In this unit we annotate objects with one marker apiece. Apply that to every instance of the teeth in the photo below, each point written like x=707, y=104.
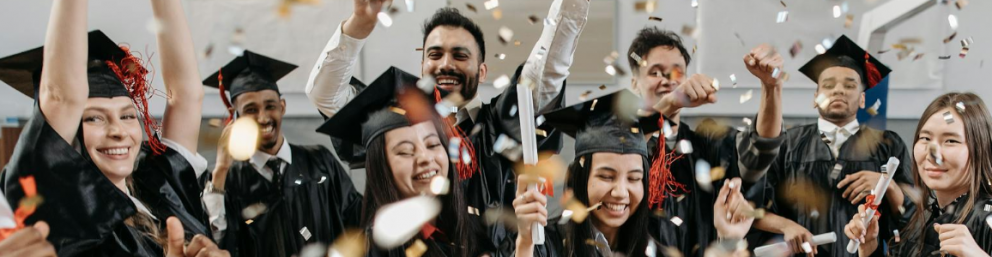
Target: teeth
x=615, y=207
x=115, y=151
x=446, y=81
x=267, y=129
x=427, y=175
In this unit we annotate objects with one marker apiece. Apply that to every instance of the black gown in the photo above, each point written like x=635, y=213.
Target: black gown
x=554, y=243
x=975, y=221
x=85, y=211
x=438, y=244
x=315, y=194
x=695, y=208
x=806, y=160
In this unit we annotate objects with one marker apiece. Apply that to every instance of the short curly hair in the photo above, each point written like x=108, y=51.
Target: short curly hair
x=649, y=38
x=449, y=16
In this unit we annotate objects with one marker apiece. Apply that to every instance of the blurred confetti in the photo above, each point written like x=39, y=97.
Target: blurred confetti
x=822, y=101
x=796, y=47
x=471, y=7
x=960, y=4
x=501, y=56
x=154, y=26
x=895, y=233
x=694, y=3
x=703, y=178
x=713, y=129
x=243, y=140
x=427, y=84
x=645, y=6
x=314, y=250
x=498, y=215
x=533, y=19
x=385, y=19
x=501, y=82
x=409, y=6
x=951, y=37
x=654, y=18
x=440, y=185
x=717, y=173
x=738, y=35
x=934, y=151
x=684, y=147
x=417, y=249
x=491, y=4
x=849, y=21
x=397, y=222
x=783, y=3
x=689, y=31
x=746, y=96
x=952, y=21
x=873, y=110
x=508, y=147
x=497, y=14
x=810, y=201
x=677, y=221
x=837, y=11
x=820, y=49
x=505, y=35
x=959, y=106
x=252, y=211
x=351, y=243
x=733, y=79
x=783, y=16
x=214, y=122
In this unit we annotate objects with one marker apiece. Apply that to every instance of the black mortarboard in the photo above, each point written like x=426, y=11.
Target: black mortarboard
x=22, y=71
x=846, y=53
x=250, y=72
x=609, y=123
x=376, y=109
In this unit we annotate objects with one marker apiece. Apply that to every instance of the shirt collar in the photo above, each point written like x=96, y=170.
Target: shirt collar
x=470, y=110
x=138, y=205
x=285, y=154
x=829, y=128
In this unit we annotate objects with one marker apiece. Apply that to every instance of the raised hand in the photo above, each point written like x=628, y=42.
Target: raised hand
x=28, y=242
x=362, y=21
x=200, y=246
x=762, y=62
x=956, y=240
x=731, y=212
x=530, y=207
x=867, y=236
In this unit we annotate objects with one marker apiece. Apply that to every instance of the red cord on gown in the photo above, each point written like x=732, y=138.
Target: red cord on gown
x=465, y=171
x=662, y=182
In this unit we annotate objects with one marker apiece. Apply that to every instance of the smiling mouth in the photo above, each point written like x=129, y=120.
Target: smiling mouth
x=120, y=151
x=425, y=176
x=615, y=208
x=267, y=129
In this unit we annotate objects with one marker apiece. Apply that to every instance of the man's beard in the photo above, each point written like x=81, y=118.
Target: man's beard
x=833, y=115
x=470, y=85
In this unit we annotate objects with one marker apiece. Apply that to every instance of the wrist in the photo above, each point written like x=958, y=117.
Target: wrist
x=524, y=241
x=359, y=27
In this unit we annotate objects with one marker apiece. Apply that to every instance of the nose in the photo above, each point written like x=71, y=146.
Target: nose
x=116, y=130
x=262, y=118
x=619, y=190
x=446, y=64
x=423, y=158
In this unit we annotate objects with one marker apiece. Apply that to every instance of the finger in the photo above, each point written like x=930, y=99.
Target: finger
x=23, y=237
x=175, y=236
x=688, y=91
x=847, y=179
x=750, y=60
x=198, y=243
x=747, y=59
x=698, y=86
x=721, y=197
x=36, y=249
x=42, y=227
x=522, y=182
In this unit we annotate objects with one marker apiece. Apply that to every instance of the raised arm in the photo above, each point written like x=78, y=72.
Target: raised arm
x=64, y=87
x=181, y=122
x=558, y=42
x=758, y=147
x=327, y=86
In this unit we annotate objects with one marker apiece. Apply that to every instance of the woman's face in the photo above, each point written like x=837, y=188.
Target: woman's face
x=615, y=180
x=112, y=135
x=415, y=156
x=952, y=174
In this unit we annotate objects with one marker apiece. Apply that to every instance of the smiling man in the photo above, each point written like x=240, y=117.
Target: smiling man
x=454, y=56
x=301, y=194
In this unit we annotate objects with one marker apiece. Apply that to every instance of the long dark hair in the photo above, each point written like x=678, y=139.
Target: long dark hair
x=630, y=238
x=380, y=189
x=978, y=135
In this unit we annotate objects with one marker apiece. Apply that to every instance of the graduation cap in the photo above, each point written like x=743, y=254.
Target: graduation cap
x=845, y=53
x=376, y=110
x=608, y=123
x=250, y=72
x=22, y=71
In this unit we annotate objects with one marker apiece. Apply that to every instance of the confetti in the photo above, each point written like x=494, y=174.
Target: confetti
x=822, y=101
x=417, y=249
x=944, y=57
x=895, y=232
x=409, y=5
x=502, y=81
x=739, y=38
x=498, y=14
x=960, y=4
x=654, y=18
x=385, y=19
x=491, y=4
x=820, y=49
x=716, y=84
x=592, y=107
x=717, y=173
x=305, y=233
x=313, y=250
x=807, y=248
x=934, y=151
x=645, y=6
x=703, y=178
x=253, y=210
x=397, y=222
x=677, y=221
x=513, y=110
x=236, y=50
x=471, y=7
x=208, y=51
x=783, y=3
x=440, y=185
x=507, y=147
x=667, y=130
x=783, y=16
x=445, y=108
x=243, y=140
x=694, y=3
x=837, y=11
x=873, y=110
x=585, y=95
x=505, y=35
x=918, y=56
x=689, y=31
x=746, y=96
x=953, y=21
x=849, y=21
x=466, y=157
x=827, y=42
x=951, y=37
x=684, y=147
x=733, y=79
x=635, y=57
x=796, y=47
x=533, y=19
x=602, y=87
x=959, y=106
x=154, y=26
x=215, y=122
x=426, y=84
x=948, y=117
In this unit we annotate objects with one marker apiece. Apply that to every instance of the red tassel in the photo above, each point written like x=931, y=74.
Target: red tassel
x=662, y=181
x=134, y=76
x=223, y=97
x=872, y=73
x=465, y=171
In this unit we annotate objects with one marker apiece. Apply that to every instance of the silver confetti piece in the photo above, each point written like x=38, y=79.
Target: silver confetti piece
x=948, y=117
x=746, y=96
x=783, y=16
x=960, y=107
x=677, y=221
x=685, y=147
x=835, y=173
x=305, y=233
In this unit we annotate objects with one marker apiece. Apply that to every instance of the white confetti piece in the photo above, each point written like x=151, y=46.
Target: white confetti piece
x=505, y=34
x=822, y=101
x=783, y=16
x=243, y=140
x=409, y=5
x=960, y=107
x=746, y=96
x=837, y=11
x=426, y=84
x=252, y=211
x=685, y=147
x=827, y=42
x=398, y=222
x=491, y=4
x=953, y=21
x=236, y=50
x=747, y=121
x=501, y=56
x=501, y=82
x=677, y=221
x=820, y=49
x=716, y=84
x=611, y=70
x=305, y=233
x=807, y=248
x=873, y=110
x=313, y=250
x=385, y=19
x=440, y=185
x=934, y=151
x=733, y=79
x=694, y=3
x=703, y=177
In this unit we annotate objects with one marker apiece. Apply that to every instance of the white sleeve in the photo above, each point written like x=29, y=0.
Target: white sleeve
x=194, y=159
x=328, y=85
x=551, y=57
x=214, y=203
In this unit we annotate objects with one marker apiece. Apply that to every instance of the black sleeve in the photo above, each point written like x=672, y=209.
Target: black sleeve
x=552, y=246
x=168, y=184
x=904, y=177
x=346, y=197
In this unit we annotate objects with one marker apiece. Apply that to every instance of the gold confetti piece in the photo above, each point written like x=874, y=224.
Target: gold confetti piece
x=249, y=222
x=516, y=43
x=440, y=185
x=533, y=19
x=677, y=221
x=783, y=16
x=746, y=96
x=592, y=107
x=579, y=211
x=252, y=211
x=471, y=7
x=873, y=110
x=397, y=222
x=243, y=140
x=934, y=151
x=214, y=122
x=397, y=110
x=491, y=4
x=688, y=30
x=951, y=37
x=351, y=243
x=385, y=19
x=501, y=82
x=918, y=56
x=654, y=18
x=418, y=49
x=694, y=48
x=645, y=6
x=822, y=101
x=602, y=87
x=952, y=21
x=541, y=132
x=717, y=173
x=497, y=14
x=417, y=249
x=473, y=211
x=960, y=4
x=849, y=21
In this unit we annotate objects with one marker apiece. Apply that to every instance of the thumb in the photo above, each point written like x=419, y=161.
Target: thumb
x=42, y=227
x=176, y=236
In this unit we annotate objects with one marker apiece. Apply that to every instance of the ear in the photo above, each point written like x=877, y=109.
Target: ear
x=483, y=70
x=861, y=102
x=633, y=86
x=815, y=94
x=282, y=101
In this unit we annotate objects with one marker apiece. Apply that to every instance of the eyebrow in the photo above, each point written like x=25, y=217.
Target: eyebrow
x=432, y=134
x=457, y=49
x=101, y=109
x=401, y=143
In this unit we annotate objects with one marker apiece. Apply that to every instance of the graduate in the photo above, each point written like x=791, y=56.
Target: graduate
x=835, y=162
x=660, y=79
x=106, y=191
x=307, y=195
x=406, y=144
x=953, y=167
x=454, y=58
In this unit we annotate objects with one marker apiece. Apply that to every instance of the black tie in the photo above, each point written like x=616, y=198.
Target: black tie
x=274, y=165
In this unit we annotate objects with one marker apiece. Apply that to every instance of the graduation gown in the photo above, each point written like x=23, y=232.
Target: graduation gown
x=314, y=202
x=554, y=243
x=806, y=163
x=438, y=243
x=695, y=207
x=974, y=220
x=85, y=211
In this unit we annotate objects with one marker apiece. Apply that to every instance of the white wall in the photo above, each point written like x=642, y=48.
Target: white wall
x=299, y=38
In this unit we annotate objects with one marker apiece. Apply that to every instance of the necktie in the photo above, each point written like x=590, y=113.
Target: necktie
x=274, y=165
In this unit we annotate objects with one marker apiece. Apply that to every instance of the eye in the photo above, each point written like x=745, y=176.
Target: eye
x=952, y=141
x=270, y=107
x=129, y=117
x=462, y=56
x=250, y=110
x=635, y=178
x=605, y=177
x=434, y=55
x=94, y=119
x=924, y=138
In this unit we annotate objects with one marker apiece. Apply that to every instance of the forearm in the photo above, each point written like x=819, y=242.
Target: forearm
x=64, y=86
x=773, y=223
x=328, y=85
x=769, y=123
x=525, y=248
x=181, y=121
x=549, y=61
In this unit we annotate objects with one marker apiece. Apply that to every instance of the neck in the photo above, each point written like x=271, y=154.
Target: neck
x=609, y=232
x=275, y=149
x=842, y=121
x=945, y=198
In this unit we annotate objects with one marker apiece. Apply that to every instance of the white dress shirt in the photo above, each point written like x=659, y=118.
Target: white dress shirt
x=837, y=135
x=328, y=85
x=214, y=201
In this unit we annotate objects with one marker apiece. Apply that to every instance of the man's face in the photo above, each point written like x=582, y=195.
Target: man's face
x=656, y=79
x=842, y=94
x=452, y=57
x=267, y=108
